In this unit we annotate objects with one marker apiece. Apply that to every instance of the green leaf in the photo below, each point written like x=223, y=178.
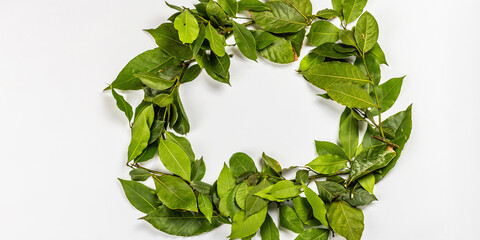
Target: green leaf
x=201, y=187
x=152, y=80
x=198, y=170
x=197, y=44
x=285, y=189
x=263, y=39
x=401, y=124
x=140, y=196
x=282, y=18
x=304, y=211
x=318, y=206
x=360, y=197
x=352, y=9
x=310, y=60
x=350, y=95
x=388, y=93
x=348, y=133
x=347, y=37
x=148, y=153
x=204, y=61
x=327, y=14
x=220, y=65
x=329, y=50
x=296, y=39
x=369, y=160
x=289, y=219
x=191, y=73
x=140, y=133
x=345, y=220
x=328, y=164
x=252, y=5
x=254, y=204
x=372, y=65
x=326, y=74
x=245, y=41
x=216, y=40
x=280, y=51
x=216, y=13
x=230, y=6
x=269, y=230
x=149, y=61
x=175, y=7
x=139, y=174
x=205, y=206
x=368, y=140
x=226, y=182
x=272, y=163
x=244, y=226
x=304, y=7
x=175, y=193
x=314, y=234
x=180, y=223
x=163, y=100
x=325, y=148
x=166, y=37
x=174, y=159
x=366, y=32
x=367, y=182
x=329, y=190
x=181, y=125
x=322, y=32
x=123, y=105
x=301, y=176
x=182, y=142
x=241, y=195
x=379, y=54
x=232, y=206
x=241, y=163
x=338, y=5
x=187, y=27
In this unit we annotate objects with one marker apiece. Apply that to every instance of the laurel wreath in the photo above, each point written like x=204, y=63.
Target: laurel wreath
x=345, y=63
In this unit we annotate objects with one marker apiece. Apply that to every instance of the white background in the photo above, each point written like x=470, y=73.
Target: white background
x=63, y=143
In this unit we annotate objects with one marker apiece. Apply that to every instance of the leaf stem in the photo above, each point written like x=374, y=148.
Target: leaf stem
x=150, y=170
x=386, y=141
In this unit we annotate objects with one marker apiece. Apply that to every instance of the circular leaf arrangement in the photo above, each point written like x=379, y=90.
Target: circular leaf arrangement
x=345, y=63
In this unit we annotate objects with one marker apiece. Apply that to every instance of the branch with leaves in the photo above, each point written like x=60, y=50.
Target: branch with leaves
x=345, y=63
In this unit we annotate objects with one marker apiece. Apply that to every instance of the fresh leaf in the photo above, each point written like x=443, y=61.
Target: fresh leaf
x=252, y=5
x=216, y=13
x=187, y=27
x=244, y=226
x=388, y=93
x=139, y=174
x=296, y=39
x=352, y=9
x=322, y=32
x=328, y=164
x=198, y=170
x=289, y=219
x=329, y=50
x=325, y=148
x=229, y=6
x=269, y=230
x=280, y=51
x=163, y=100
x=182, y=142
x=263, y=39
x=318, y=206
x=283, y=18
x=379, y=54
x=140, y=196
x=205, y=206
x=152, y=80
x=175, y=7
x=216, y=40
x=360, y=197
x=285, y=189
x=345, y=220
x=366, y=32
x=241, y=163
x=347, y=37
x=226, y=182
x=191, y=73
x=197, y=44
x=254, y=204
x=175, y=193
x=326, y=74
x=304, y=211
x=367, y=182
x=166, y=37
x=245, y=41
x=123, y=105
x=140, y=133
x=149, y=61
x=220, y=65
x=241, y=195
x=201, y=187
x=182, y=125
x=301, y=176
x=148, y=153
x=180, y=223
x=348, y=133
x=327, y=14
x=328, y=190
x=369, y=160
x=174, y=159
x=371, y=64
x=232, y=206
x=272, y=163
x=310, y=60
x=314, y=234
x=350, y=95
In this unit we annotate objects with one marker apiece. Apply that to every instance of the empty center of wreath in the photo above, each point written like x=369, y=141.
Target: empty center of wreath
x=268, y=108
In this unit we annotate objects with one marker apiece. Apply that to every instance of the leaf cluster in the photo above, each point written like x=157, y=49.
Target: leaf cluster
x=345, y=63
